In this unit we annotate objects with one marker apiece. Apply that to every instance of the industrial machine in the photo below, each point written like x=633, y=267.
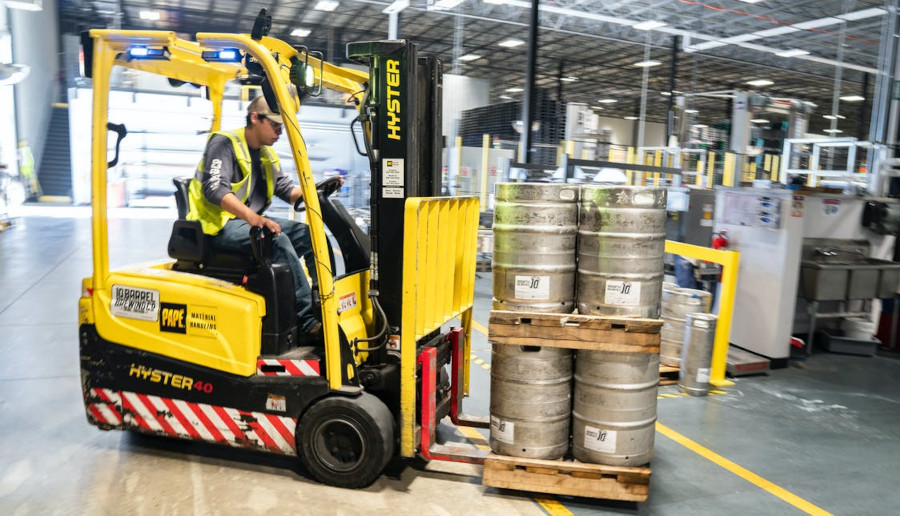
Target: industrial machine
x=805, y=256
x=204, y=347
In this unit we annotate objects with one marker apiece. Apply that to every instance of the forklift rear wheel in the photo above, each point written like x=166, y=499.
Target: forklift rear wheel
x=346, y=442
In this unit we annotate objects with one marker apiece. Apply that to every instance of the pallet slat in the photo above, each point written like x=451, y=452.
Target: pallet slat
x=567, y=478
x=574, y=331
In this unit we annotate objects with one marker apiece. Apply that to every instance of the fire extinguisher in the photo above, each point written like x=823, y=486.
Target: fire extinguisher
x=720, y=240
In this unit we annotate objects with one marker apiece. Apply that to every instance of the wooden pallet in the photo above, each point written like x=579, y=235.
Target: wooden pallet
x=668, y=375
x=567, y=477
x=574, y=331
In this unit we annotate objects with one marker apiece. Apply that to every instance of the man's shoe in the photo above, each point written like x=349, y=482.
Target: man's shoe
x=314, y=336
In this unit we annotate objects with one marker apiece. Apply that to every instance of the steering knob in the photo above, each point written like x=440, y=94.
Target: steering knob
x=325, y=188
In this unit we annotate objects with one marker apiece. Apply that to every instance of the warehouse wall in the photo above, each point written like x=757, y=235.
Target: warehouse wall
x=623, y=132
x=7, y=102
x=460, y=94
x=35, y=40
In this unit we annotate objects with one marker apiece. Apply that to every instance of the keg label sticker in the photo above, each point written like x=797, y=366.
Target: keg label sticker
x=623, y=293
x=703, y=375
x=503, y=431
x=533, y=287
x=597, y=439
x=135, y=303
x=392, y=172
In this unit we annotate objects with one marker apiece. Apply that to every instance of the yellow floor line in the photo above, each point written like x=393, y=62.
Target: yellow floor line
x=744, y=473
x=479, y=327
x=474, y=436
x=553, y=507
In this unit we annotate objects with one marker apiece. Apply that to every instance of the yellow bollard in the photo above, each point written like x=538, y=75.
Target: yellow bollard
x=485, y=166
x=710, y=169
x=729, y=171
x=629, y=158
x=657, y=161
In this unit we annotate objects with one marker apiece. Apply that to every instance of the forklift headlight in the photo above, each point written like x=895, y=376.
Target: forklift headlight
x=225, y=55
x=142, y=52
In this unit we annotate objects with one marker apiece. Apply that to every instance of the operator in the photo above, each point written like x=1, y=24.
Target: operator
x=232, y=188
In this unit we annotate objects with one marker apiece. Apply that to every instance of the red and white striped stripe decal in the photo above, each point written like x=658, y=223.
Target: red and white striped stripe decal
x=103, y=407
x=291, y=367
x=198, y=421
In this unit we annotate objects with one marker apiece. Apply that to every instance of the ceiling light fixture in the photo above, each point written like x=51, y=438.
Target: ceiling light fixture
x=469, y=57
x=515, y=90
x=852, y=98
x=632, y=118
x=144, y=15
x=794, y=52
x=326, y=5
x=511, y=42
x=648, y=63
x=759, y=121
x=700, y=126
x=760, y=82
x=650, y=25
x=832, y=131
x=300, y=33
x=607, y=101
x=666, y=93
x=691, y=111
x=751, y=1
x=834, y=117
x=505, y=97
x=569, y=79
x=396, y=6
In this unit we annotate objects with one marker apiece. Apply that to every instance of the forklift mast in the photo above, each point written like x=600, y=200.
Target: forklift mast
x=402, y=115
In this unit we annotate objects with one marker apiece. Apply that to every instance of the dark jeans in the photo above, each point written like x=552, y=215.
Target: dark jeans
x=289, y=246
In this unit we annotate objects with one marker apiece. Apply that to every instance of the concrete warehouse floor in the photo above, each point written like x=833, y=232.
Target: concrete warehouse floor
x=821, y=438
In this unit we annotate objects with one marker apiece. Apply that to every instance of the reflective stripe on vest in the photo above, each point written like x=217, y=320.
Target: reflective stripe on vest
x=212, y=217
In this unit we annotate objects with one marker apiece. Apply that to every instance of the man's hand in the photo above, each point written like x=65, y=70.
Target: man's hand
x=231, y=204
x=262, y=222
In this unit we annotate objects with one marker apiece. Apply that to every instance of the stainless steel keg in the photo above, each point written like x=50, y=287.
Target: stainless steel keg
x=535, y=229
x=615, y=407
x=696, y=356
x=621, y=246
x=531, y=401
x=677, y=302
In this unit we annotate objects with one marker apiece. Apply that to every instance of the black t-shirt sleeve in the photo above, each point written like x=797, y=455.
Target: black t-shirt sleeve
x=219, y=169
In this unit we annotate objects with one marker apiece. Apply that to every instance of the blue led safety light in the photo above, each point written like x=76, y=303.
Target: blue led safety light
x=141, y=52
x=225, y=55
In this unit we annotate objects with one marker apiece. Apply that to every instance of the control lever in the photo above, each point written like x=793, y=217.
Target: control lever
x=261, y=241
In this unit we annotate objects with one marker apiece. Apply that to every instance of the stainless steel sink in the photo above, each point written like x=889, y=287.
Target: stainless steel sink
x=843, y=277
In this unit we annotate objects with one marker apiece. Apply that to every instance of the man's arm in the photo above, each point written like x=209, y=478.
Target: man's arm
x=218, y=174
x=233, y=205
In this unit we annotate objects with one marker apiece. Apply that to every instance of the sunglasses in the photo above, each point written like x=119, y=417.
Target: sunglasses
x=275, y=125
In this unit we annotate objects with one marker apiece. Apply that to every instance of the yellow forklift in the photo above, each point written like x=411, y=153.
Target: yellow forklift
x=205, y=346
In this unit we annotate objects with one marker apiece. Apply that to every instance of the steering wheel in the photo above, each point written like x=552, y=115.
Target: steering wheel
x=325, y=188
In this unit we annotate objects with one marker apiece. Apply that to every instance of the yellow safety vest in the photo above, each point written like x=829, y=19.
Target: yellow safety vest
x=213, y=217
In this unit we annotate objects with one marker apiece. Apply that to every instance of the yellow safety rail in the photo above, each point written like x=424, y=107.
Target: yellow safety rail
x=729, y=262
x=439, y=249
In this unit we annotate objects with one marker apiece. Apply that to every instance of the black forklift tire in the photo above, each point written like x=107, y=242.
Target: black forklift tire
x=346, y=442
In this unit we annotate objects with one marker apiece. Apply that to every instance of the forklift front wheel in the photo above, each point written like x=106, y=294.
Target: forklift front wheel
x=346, y=442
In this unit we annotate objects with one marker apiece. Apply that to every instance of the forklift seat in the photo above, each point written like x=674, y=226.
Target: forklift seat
x=192, y=248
